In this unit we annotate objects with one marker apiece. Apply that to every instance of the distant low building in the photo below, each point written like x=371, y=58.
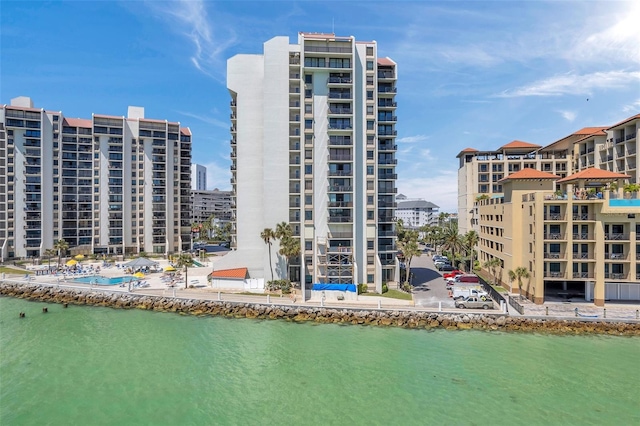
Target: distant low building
x=417, y=213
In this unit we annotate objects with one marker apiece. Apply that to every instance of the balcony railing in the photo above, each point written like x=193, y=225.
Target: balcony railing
x=582, y=216
x=583, y=236
x=615, y=276
x=616, y=236
x=583, y=275
x=615, y=256
x=340, y=219
x=554, y=255
x=581, y=256
x=554, y=274
x=553, y=216
x=553, y=236
x=340, y=188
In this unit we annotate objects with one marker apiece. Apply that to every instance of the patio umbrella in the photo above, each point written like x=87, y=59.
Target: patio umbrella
x=169, y=269
x=79, y=257
x=138, y=275
x=72, y=262
x=140, y=262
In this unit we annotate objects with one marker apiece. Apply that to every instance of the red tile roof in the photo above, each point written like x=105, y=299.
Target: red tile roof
x=519, y=145
x=467, y=150
x=78, y=122
x=637, y=116
x=593, y=173
x=236, y=273
x=185, y=131
x=529, y=174
x=385, y=61
x=590, y=131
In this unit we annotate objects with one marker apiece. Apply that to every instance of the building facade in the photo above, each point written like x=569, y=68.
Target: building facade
x=313, y=135
x=198, y=177
x=104, y=185
x=578, y=235
x=417, y=213
x=206, y=204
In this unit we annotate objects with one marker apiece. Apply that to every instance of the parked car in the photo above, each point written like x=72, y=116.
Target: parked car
x=475, y=302
x=462, y=291
x=439, y=264
x=447, y=267
x=453, y=273
x=467, y=278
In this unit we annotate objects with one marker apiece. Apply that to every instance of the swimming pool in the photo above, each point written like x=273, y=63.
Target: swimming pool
x=103, y=281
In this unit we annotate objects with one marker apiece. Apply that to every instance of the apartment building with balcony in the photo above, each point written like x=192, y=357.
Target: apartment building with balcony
x=206, y=204
x=107, y=184
x=417, y=213
x=581, y=241
x=313, y=130
x=479, y=173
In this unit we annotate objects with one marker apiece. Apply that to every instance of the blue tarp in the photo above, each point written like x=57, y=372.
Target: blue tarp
x=334, y=287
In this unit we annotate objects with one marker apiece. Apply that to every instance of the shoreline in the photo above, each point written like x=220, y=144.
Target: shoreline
x=385, y=317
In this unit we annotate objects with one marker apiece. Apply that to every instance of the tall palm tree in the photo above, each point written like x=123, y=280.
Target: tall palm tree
x=289, y=248
x=470, y=242
x=451, y=240
x=61, y=246
x=410, y=249
x=268, y=236
x=283, y=229
x=492, y=264
x=517, y=275
x=184, y=260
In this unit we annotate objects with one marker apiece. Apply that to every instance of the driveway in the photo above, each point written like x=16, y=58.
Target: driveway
x=428, y=285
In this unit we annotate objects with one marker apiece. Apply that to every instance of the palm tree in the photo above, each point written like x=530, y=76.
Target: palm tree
x=267, y=236
x=517, y=275
x=451, y=240
x=470, y=241
x=492, y=264
x=208, y=226
x=184, y=260
x=283, y=229
x=410, y=249
x=289, y=248
x=61, y=246
x=49, y=253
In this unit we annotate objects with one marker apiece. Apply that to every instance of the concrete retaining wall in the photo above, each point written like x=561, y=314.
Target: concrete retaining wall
x=395, y=318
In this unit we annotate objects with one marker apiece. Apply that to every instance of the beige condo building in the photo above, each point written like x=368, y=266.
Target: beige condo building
x=574, y=228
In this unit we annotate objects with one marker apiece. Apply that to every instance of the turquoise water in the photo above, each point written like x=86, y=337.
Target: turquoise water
x=99, y=366
x=104, y=281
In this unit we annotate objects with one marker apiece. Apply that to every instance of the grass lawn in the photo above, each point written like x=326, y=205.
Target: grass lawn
x=8, y=270
x=392, y=294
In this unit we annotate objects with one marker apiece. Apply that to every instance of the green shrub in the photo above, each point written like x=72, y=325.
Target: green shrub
x=406, y=287
x=362, y=288
x=385, y=288
x=283, y=285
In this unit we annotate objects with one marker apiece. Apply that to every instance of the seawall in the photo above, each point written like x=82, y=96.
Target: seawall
x=375, y=317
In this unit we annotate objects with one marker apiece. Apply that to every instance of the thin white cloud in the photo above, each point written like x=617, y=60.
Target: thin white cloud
x=192, y=18
x=206, y=119
x=619, y=40
x=634, y=107
x=413, y=139
x=570, y=116
x=574, y=84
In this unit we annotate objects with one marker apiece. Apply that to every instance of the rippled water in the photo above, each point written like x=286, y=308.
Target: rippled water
x=93, y=366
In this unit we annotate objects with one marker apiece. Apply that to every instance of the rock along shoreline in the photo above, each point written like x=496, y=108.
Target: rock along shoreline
x=357, y=316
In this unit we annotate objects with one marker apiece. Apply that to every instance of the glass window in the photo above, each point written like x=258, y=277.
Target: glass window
x=308, y=200
x=369, y=65
x=308, y=169
x=308, y=215
x=308, y=245
x=308, y=78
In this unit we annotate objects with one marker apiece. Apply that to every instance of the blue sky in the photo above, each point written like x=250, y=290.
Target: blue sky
x=477, y=74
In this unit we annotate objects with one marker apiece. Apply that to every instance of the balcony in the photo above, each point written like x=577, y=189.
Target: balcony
x=583, y=275
x=582, y=216
x=336, y=110
x=340, y=188
x=553, y=216
x=583, y=236
x=340, y=219
x=554, y=274
x=616, y=237
x=615, y=275
x=340, y=157
x=340, y=172
x=554, y=255
x=554, y=236
x=615, y=256
x=582, y=256
x=388, y=132
x=334, y=95
x=340, y=204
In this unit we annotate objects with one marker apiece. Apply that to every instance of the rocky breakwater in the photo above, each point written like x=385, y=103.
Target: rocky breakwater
x=374, y=317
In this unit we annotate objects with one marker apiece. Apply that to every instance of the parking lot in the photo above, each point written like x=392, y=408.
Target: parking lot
x=428, y=285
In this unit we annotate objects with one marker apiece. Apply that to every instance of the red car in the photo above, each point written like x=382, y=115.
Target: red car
x=452, y=274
